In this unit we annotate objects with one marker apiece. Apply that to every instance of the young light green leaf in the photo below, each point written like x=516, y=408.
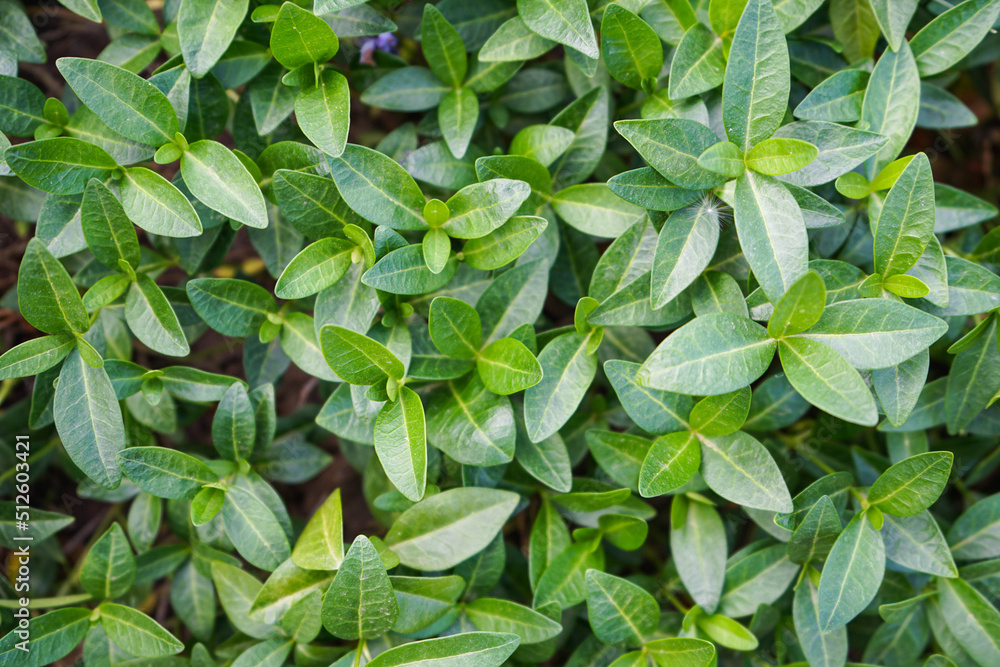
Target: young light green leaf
x=506, y=367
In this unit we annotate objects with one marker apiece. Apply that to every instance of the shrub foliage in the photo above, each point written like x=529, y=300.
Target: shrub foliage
x=644, y=322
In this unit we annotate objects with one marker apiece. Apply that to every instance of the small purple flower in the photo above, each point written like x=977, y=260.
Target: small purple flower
x=385, y=42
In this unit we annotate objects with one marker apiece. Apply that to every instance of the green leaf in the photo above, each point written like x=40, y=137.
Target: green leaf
x=816, y=534
x=406, y=89
x=22, y=109
x=108, y=570
x=672, y=146
x=713, y=354
x=470, y=649
x=321, y=544
x=567, y=371
x=683, y=250
x=721, y=415
x=875, y=333
x=206, y=29
x=837, y=99
x=299, y=38
x=360, y=603
x=35, y=356
x=318, y=266
x=424, y=600
x=906, y=220
x=61, y=166
x=504, y=244
x=233, y=427
x=478, y=209
x=89, y=420
x=109, y=232
x=377, y=188
x=457, y=117
x=136, y=633
x=620, y=612
x=165, y=473
x=443, y=530
x=594, y=209
x=632, y=51
x=698, y=545
x=131, y=105
x=952, y=35
x=820, y=647
x=841, y=149
x=699, y=63
x=911, y=486
x=672, y=461
x=47, y=297
x=323, y=112
x=152, y=319
x=157, y=206
x=826, y=379
x=800, y=307
x=443, y=49
x=231, y=307
x=220, y=181
x=971, y=618
x=854, y=25
x=53, y=636
x=724, y=158
x=401, y=443
x=780, y=156
x=772, y=233
x=755, y=90
x=506, y=366
x=493, y=615
x=254, y=529
x=740, y=469
x=547, y=461
x=852, y=574
x=455, y=327
x=357, y=358
x=916, y=542
x=543, y=143
x=514, y=41
x=567, y=23
x=891, y=104
x=471, y=424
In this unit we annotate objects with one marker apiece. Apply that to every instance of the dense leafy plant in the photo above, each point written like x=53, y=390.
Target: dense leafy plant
x=732, y=407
